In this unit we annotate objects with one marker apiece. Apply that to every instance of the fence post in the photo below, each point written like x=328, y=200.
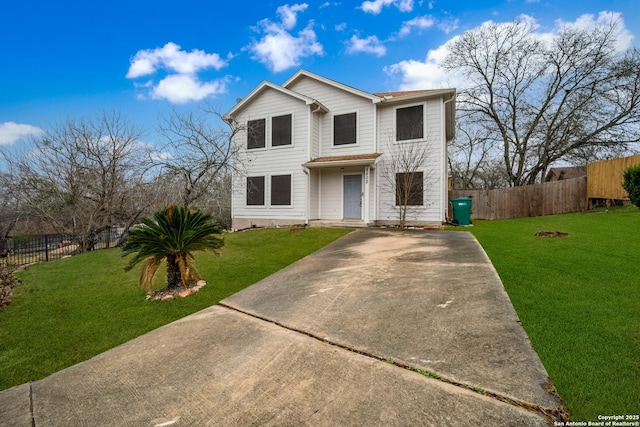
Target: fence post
x=46, y=247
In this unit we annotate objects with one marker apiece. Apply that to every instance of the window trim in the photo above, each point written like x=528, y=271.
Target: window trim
x=357, y=129
x=264, y=192
x=424, y=122
x=264, y=119
x=421, y=181
x=271, y=127
x=271, y=187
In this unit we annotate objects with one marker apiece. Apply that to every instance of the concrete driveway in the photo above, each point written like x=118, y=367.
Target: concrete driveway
x=382, y=327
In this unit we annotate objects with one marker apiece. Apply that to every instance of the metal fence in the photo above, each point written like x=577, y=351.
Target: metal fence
x=23, y=250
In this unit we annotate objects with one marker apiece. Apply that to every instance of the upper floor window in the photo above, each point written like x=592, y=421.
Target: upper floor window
x=410, y=123
x=281, y=130
x=344, y=129
x=256, y=133
x=281, y=190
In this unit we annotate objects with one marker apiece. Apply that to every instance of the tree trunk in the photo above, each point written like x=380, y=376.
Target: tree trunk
x=174, y=279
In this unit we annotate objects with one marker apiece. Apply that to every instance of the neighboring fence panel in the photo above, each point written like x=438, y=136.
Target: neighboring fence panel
x=549, y=198
x=22, y=250
x=604, y=178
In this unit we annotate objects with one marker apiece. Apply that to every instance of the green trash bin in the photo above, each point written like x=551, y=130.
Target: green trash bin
x=461, y=210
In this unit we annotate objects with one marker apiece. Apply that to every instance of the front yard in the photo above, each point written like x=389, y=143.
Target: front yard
x=72, y=309
x=578, y=298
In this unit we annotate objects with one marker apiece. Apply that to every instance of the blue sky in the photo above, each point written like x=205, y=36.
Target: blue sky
x=72, y=59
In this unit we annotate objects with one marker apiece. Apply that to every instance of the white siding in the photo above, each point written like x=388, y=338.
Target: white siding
x=319, y=195
x=434, y=203
x=269, y=161
x=340, y=102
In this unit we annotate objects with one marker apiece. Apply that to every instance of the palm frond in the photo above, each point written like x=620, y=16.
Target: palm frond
x=176, y=231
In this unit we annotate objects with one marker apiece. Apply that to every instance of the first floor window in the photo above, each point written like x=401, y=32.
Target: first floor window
x=409, y=189
x=281, y=190
x=255, y=134
x=410, y=123
x=255, y=191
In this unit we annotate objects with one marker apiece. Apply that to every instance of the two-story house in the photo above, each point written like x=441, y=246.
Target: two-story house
x=315, y=150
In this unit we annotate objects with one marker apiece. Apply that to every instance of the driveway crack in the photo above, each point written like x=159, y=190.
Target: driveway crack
x=550, y=415
x=33, y=416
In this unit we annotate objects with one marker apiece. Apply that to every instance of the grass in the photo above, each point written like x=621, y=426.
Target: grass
x=578, y=298
x=72, y=309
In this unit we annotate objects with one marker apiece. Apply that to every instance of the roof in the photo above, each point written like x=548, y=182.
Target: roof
x=337, y=161
x=568, y=172
x=388, y=98
x=303, y=73
x=268, y=85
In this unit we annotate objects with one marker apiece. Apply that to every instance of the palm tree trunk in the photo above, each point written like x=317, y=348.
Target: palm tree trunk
x=174, y=279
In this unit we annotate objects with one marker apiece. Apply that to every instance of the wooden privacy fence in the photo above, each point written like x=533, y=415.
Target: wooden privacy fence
x=604, y=178
x=549, y=198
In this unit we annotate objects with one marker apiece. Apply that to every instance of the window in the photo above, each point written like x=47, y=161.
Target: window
x=344, y=129
x=281, y=190
x=281, y=130
x=409, y=186
x=409, y=123
x=255, y=191
x=255, y=134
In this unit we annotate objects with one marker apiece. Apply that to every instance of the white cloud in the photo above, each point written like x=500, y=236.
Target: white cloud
x=369, y=45
x=624, y=38
x=11, y=132
x=427, y=74
x=172, y=58
x=419, y=22
x=278, y=48
x=182, y=84
x=376, y=6
x=183, y=88
x=424, y=75
x=449, y=25
x=289, y=14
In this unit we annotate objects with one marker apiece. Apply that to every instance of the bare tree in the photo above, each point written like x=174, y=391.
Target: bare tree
x=198, y=158
x=546, y=100
x=80, y=176
x=405, y=175
x=472, y=157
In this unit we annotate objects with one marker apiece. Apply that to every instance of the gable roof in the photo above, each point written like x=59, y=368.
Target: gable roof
x=268, y=85
x=307, y=74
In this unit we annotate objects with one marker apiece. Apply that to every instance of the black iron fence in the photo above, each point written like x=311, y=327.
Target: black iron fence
x=22, y=250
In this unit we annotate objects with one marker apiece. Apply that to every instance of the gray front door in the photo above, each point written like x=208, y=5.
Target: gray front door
x=352, y=204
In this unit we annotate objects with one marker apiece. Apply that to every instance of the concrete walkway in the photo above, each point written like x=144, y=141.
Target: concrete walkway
x=382, y=327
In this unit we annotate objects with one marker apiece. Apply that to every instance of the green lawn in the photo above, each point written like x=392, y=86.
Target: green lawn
x=578, y=298
x=69, y=310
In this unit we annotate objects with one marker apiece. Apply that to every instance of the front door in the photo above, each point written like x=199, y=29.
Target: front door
x=352, y=199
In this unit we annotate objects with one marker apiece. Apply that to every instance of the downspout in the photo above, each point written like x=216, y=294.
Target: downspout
x=375, y=150
x=308, y=207
x=310, y=157
x=445, y=184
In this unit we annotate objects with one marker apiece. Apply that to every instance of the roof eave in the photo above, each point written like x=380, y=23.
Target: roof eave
x=304, y=73
x=268, y=85
x=341, y=163
x=416, y=96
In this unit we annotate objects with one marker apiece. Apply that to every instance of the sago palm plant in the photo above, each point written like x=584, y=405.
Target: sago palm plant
x=172, y=236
